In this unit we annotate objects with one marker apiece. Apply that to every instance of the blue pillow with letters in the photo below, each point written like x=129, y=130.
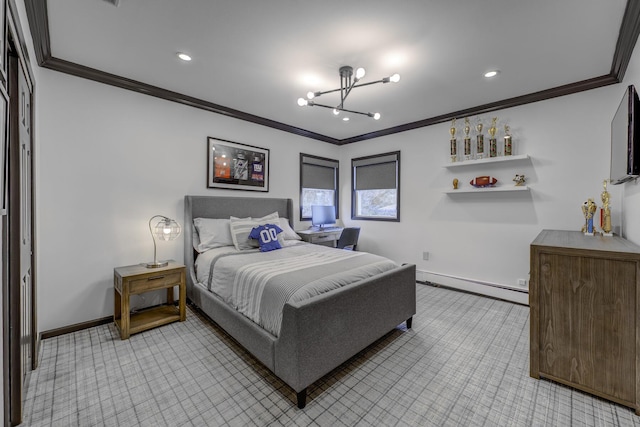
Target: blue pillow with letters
x=267, y=237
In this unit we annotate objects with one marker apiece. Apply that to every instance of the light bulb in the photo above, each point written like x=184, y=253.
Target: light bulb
x=395, y=78
x=336, y=111
x=310, y=95
x=491, y=73
x=360, y=72
x=376, y=116
x=302, y=102
x=184, y=56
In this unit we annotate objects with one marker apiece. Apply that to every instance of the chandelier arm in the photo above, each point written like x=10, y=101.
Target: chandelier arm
x=369, y=83
x=347, y=92
x=317, y=94
x=315, y=104
x=355, y=112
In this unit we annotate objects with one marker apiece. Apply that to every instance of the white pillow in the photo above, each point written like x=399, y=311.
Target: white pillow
x=289, y=234
x=241, y=228
x=212, y=233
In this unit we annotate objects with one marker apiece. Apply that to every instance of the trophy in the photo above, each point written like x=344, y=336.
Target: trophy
x=467, y=140
x=479, y=141
x=454, y=144
x=588, y=210
x=605, y=212
x=492, y=140
x=508, y=147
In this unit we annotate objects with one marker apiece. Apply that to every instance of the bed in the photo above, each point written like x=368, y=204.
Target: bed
x=317, y=334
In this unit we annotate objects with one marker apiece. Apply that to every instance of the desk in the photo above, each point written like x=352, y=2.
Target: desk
x=328, y=237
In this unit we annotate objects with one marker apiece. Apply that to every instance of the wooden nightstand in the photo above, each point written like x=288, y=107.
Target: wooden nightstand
x=137, y=279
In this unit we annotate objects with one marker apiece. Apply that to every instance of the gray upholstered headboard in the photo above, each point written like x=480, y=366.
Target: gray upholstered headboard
x=225, y=207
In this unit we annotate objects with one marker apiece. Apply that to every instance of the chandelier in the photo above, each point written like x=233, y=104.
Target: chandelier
x=347, y=82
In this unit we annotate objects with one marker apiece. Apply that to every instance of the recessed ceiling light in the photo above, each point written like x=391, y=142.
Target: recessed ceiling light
x=346, y=119
x=184, y=56
x=491, y=73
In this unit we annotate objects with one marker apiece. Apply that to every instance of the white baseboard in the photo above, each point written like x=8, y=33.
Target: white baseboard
x=494, y=290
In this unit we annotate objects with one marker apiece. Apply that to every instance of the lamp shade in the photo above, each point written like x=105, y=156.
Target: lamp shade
x=165, y=229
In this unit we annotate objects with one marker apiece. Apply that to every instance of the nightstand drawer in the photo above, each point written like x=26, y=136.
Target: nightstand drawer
x=323, y=238
x=154, y=282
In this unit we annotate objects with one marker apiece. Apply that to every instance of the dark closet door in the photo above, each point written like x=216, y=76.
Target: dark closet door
x=26, y=252
x=20, y=286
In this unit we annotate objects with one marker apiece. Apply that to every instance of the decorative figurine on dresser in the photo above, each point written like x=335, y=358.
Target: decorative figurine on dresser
x=605, y=212
x=453, y=142
x=588, y=210
x=479, y=141
x=493, y=149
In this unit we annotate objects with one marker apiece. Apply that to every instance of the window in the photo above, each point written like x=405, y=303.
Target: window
x=375, y=189
x=318, y=183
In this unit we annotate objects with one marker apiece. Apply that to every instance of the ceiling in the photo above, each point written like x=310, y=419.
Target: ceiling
x=252, y=59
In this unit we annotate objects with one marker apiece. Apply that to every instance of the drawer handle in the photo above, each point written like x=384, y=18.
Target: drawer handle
x=156, y=278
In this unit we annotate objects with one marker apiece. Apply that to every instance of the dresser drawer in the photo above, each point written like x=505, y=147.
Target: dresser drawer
x=160, y=281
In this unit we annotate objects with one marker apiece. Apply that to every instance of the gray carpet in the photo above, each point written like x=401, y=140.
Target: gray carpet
x=464, y=363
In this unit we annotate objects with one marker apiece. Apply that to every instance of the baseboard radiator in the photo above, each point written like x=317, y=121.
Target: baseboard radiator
x=494, y=290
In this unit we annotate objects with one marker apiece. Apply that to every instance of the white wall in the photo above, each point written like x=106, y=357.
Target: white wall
x=486, y=237
x=108, y=160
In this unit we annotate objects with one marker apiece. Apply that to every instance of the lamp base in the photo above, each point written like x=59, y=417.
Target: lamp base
x=157, y=264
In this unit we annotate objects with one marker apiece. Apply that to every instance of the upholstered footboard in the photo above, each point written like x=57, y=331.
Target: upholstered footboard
x=321, y=333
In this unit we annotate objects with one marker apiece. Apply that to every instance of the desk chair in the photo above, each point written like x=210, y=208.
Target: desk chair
x=349, y=238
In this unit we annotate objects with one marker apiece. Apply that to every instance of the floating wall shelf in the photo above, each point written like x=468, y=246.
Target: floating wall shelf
x=487, y=189
x=487, y=160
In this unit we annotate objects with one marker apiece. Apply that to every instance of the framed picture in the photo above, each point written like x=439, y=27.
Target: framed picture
x=236, y=166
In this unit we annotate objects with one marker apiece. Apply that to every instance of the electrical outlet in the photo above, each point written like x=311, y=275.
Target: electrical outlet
x=522, y=282
x=425, y=256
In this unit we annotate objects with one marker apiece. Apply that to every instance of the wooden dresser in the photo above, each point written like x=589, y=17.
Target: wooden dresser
x=584, y=302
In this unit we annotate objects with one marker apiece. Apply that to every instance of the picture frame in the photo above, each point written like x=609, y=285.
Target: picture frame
x=235, y=166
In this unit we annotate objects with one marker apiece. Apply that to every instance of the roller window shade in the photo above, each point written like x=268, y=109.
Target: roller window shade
x=320, y=162
x=378, y=173
x=319, y=173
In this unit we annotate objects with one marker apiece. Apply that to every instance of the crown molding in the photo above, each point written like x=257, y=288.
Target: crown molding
x=39, y=24
x=568, y=89
x=627, y=37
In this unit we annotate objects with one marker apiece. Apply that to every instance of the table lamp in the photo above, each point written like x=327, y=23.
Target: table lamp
x=165, y=229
